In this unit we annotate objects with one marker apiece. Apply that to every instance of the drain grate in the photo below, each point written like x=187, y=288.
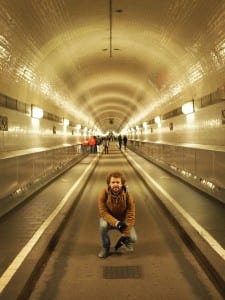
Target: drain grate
x=122, y=272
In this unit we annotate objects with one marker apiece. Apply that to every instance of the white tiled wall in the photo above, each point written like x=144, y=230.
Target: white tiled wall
x=203, y=127
x=25, y=132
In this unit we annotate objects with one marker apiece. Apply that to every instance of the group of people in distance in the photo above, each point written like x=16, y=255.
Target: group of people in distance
x=101, y=144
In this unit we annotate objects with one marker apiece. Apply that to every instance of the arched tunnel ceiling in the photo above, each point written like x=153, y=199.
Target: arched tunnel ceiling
x=110, y=63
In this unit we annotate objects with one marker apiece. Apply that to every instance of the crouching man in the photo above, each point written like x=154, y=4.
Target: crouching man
x=117, y=211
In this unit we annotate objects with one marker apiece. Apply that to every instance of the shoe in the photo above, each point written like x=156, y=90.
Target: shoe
x=103, y=253
x=129, y=247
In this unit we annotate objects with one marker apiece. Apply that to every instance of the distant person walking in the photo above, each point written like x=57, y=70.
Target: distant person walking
x=125, y=141
x=99, y=142
x=92, y=144
x=106, y=145
x=120, y=141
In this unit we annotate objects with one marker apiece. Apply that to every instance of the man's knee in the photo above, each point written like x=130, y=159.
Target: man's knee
x=103, y=223
x=133, y=235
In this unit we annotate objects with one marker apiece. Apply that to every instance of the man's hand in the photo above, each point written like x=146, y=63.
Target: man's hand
x=121, y=226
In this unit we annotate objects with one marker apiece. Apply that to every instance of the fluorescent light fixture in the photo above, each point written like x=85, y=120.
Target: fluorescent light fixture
x=188, y=107
x=65, y=122
x=145, y=125
x=157, y=120
x=36, y=112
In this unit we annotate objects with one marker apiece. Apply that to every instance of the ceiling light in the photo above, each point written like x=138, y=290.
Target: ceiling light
x=157, y=120
x=65, y=122
x=36, y=112
x=188, y=107
x=145, y=124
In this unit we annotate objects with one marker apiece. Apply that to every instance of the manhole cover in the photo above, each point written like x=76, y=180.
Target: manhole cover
x=119, y=272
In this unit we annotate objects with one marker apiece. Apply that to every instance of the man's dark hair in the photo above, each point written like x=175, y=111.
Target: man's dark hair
x=116, y=175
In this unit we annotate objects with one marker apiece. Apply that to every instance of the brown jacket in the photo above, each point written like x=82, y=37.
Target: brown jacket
x=112, y=212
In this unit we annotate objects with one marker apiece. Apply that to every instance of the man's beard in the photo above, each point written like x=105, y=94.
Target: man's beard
x=116, y=192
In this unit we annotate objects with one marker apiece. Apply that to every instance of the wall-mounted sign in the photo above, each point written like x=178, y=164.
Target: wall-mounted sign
x=223, y=116
x=171, y=126
x=54, y=129
x=3, y=123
